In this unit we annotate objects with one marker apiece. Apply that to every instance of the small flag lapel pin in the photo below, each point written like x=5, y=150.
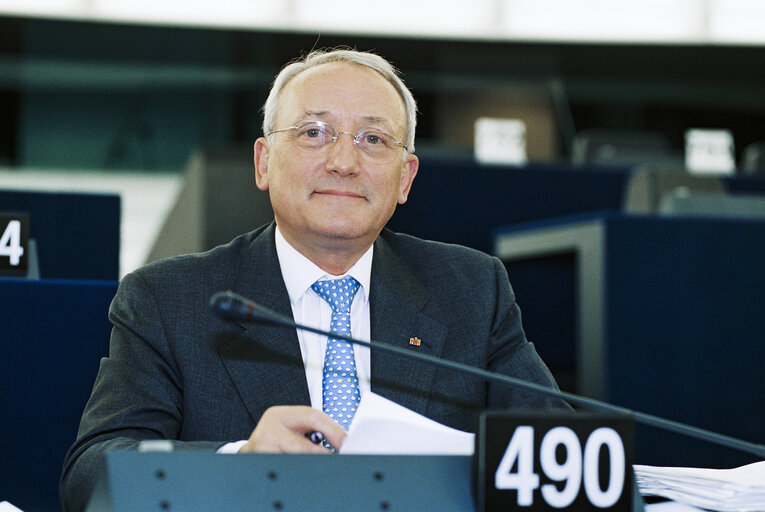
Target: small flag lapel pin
x=415, y=341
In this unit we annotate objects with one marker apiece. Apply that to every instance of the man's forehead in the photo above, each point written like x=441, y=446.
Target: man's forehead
x=302, y=89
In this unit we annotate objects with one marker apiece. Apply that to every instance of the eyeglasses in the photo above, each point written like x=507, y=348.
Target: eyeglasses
x=376, y=146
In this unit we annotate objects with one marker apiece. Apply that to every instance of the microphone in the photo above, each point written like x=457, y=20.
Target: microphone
x=231, y=306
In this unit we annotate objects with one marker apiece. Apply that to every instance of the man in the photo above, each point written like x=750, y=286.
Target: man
x=336, y=159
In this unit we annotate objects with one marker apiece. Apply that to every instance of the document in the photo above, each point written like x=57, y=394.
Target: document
x=383, y=427
x=671, y=506
x=725, y=490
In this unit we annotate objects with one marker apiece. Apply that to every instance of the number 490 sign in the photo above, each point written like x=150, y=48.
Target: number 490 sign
x=14, y=233
x=554, y=461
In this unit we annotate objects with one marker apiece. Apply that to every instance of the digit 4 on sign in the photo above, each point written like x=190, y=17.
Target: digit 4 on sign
x=10, y=243
x=524, y=479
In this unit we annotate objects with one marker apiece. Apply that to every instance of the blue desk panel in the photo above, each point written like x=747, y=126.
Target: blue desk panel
x=53, y=335
x=460, y=201
x=77, y=235
x=669, y=320
x=463, y=202
x=686, y=327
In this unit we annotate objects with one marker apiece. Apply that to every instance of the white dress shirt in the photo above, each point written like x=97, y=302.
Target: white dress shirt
x=308, y=308
x=299, y=273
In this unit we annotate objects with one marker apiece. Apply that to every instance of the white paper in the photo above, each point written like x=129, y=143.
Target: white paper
x=725, y=490
x=671, y=506
x=383, y=427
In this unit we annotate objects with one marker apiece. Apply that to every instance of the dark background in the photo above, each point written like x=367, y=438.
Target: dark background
x=82, y=94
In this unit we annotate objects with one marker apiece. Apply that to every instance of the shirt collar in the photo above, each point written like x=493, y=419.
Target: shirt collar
x=299, y=273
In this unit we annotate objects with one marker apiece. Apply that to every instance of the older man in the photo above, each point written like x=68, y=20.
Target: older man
x=336, y=159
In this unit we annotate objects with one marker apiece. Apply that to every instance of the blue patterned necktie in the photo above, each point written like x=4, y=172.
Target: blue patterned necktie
x=340, y=383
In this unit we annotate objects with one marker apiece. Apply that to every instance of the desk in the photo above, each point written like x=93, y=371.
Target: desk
x=54, y=333
x=669, y=315
x=197, y=481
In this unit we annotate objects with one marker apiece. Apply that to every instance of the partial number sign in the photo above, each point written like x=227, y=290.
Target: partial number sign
x=14, y=244
x=555, y=461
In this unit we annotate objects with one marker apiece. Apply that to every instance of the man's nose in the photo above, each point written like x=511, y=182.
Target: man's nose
x=343, y=155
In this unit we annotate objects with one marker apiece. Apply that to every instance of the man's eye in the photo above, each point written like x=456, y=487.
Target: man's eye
x=373, y=139
x=312, y=132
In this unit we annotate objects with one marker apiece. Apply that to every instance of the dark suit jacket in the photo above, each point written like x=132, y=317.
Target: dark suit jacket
x=175, y=371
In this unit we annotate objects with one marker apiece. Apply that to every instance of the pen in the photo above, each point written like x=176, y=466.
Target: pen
x=317, y=437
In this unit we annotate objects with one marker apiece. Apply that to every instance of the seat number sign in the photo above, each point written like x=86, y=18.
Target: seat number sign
x=14, y=241
x=553, y=462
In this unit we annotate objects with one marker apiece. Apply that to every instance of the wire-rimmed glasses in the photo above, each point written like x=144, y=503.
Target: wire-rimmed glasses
x=375, y=145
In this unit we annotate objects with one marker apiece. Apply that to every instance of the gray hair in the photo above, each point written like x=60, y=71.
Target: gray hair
x=318, y=57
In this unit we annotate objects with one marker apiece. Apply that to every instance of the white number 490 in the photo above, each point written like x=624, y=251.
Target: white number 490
x=578, y=466
x=10, y=242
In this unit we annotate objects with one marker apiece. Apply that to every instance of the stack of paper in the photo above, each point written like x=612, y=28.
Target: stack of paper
x=726, y=490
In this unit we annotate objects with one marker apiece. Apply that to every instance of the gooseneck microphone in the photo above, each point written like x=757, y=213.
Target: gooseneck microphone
x=231, y=306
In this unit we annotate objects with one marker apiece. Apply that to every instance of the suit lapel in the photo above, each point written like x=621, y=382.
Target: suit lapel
x=397, y=305
x=264, y=362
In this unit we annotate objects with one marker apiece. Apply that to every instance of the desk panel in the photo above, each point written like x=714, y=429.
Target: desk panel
x=669, y=321
x=53, y=336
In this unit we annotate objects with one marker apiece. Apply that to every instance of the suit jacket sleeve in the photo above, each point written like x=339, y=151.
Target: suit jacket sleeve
x=137, y=394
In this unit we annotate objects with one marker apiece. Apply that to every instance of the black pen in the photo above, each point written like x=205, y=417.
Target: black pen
x=317, y=437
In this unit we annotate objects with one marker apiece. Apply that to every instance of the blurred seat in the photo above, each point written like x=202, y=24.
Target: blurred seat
x=650, y=190
x=218, y=200
x=623, y=147
x=648, y=186
x=705, y=204
x=753, y=159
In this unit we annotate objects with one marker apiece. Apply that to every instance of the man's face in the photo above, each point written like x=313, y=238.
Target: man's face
x=334, y=199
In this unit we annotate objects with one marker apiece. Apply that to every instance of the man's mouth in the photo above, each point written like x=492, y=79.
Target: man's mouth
x=339, y=193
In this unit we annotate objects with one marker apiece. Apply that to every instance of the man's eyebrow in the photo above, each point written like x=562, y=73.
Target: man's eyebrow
x=368, y=120
x=320, y=113
x=380, y=121
x=309, y=115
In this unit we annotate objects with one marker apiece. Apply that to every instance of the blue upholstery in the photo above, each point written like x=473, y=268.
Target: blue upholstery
x=54, y=333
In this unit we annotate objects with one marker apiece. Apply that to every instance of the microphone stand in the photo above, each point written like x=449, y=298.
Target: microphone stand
x=232, y=306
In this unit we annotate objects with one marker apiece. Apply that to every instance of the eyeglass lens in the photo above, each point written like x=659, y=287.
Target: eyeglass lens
x=375, y=145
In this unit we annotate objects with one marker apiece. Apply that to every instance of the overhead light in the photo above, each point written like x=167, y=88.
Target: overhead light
x=421, y=17
x=229, y=13
x=604, y=20
x=737, y=21
x=65, y=8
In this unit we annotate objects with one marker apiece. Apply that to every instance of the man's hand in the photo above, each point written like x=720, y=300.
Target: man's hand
x=282, y=429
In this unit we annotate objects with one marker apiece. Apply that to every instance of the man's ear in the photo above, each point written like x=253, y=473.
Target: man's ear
x=261, y=163
x=408, y=172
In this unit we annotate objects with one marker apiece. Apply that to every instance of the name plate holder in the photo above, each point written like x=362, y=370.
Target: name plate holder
x=555, y=461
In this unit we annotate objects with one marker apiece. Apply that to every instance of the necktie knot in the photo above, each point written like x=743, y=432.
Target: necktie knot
x=338, y=293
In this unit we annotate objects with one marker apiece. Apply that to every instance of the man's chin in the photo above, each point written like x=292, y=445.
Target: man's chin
x=347, y=229
x=342, y=233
